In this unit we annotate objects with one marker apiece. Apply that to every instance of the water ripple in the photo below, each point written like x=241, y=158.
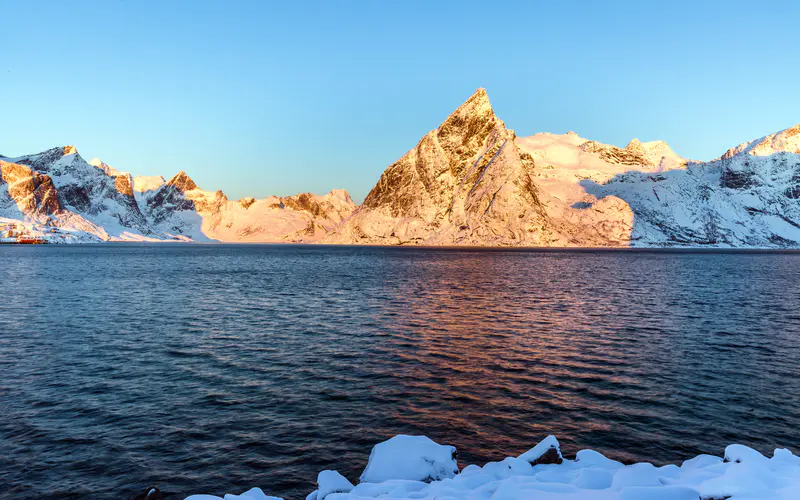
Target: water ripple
x=215, y=368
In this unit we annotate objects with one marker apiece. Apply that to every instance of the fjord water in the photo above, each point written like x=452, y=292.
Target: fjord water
x=215, y=368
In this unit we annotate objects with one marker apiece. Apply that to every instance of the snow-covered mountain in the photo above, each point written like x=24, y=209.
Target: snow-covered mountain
x=92, y=201
x=471, y=181
x=749, y=197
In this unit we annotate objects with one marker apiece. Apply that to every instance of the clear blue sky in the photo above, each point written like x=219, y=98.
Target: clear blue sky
x=259, y=98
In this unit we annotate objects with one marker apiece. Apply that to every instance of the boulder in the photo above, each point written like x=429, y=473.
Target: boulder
x=149, y=494
x=547, y=451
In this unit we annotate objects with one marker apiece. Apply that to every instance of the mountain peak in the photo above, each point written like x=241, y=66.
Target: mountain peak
x=70, y=150
x=655, y=145
x=478, y=103
x=785, y=141
x=182, y=181
x=480, y=93
x=466, y=130
x=105, y=167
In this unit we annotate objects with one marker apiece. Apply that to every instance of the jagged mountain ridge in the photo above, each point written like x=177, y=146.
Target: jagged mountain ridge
x=470, y=181
x=92, y=201
x=563, y=190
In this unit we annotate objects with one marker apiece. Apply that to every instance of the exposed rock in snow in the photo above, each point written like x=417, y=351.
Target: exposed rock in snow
x=149, y=494
x=746, y=475
x=473, y=182
x=785, y=141
x=739, y=200
x=105, y=167
x=33, y=192
x=738, y=453
x=90, y=200
x=415, y=458
x=180, y=207
x=546, y=452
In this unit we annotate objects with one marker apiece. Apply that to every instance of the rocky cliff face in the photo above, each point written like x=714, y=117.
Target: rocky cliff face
x=31, y=191
x=465, y=183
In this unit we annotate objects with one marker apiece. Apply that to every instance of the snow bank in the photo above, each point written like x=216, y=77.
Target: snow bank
x=251, y=494
x=328, y=482
x=415, y=467
x=416, y=458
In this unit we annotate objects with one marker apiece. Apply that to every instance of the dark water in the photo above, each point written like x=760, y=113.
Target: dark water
x=217, y=368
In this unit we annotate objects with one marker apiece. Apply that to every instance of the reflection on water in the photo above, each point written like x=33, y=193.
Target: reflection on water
x=215, y=368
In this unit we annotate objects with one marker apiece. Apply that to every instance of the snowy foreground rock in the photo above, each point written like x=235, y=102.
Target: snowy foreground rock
x=415, y=467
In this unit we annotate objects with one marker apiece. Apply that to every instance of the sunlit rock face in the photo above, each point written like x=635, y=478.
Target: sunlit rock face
x=471, y=181
x=465, y=183
x=31, y=191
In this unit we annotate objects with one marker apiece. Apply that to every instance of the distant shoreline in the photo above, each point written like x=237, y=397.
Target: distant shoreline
x=456, y=248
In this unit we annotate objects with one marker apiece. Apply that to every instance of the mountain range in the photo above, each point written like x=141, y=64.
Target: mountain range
x=471, y=181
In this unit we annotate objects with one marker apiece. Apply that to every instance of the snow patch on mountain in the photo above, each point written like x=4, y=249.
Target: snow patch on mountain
x=142, y=183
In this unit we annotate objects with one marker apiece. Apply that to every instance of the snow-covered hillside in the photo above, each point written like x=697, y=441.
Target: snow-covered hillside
x=92, y=201
x=471, y=181
x=749, y=197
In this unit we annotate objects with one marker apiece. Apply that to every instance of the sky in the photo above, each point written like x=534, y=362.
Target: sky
x=258, y=98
